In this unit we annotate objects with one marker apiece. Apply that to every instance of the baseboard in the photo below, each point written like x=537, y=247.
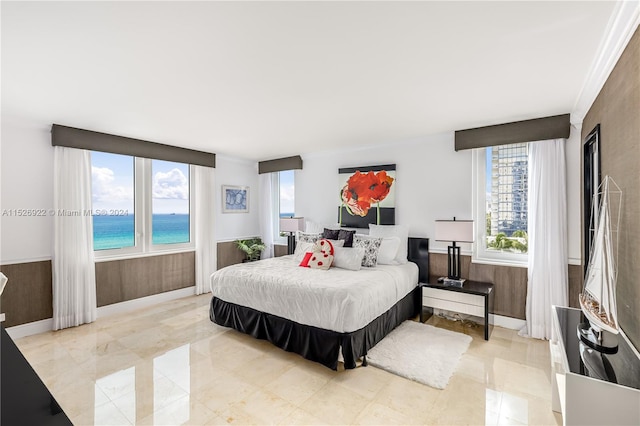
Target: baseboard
x=507, y=322
x=30, y=328
x=45, y=325
x=144, y=302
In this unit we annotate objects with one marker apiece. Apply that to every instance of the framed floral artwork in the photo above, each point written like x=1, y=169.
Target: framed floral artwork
x=367, y=195
x=235, y=199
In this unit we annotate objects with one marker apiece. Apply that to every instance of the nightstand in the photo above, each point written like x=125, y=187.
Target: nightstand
x=473, y=298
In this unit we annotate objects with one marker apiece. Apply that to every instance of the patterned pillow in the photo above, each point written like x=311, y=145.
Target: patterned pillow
x=307, y=237
x=371, y=247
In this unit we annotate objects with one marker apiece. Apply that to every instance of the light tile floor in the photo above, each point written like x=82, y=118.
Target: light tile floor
x=169, y=364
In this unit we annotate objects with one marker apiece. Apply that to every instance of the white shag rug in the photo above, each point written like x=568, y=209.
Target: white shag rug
x=420, y=352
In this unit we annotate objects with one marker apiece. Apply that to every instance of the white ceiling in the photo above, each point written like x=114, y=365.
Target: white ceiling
x=270, y=79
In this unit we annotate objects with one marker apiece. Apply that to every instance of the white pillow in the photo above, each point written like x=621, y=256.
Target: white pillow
x=301, y=248
x=400, y=231
x=318, y=228
x=389, y=251
x=348, y=257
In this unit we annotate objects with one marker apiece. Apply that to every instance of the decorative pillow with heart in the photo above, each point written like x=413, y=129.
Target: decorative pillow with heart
x=321, y=257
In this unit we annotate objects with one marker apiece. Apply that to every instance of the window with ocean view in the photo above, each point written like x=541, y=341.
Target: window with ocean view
x=113, y=183
x=170, y=202
x=287, y=187
x=158, y=190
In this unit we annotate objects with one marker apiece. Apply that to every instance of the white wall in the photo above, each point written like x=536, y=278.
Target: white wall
x=26, y=167
x=235, y=171
x=434, y=182
x=27, y=183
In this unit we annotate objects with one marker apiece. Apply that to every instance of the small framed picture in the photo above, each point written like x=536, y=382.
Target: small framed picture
x=235, y=199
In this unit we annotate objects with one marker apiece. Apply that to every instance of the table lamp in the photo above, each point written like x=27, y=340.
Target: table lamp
x=291, y=225
x=454, y=231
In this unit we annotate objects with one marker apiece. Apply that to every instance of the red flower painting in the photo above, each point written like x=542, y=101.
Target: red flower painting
x=362, y=190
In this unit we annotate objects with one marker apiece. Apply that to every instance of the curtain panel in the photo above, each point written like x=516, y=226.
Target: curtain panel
x=74, y=281
x=547, y=223
x=266, y=212
x=206, y=255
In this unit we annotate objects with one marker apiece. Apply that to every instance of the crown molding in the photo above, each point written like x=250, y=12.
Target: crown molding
x=623, y=23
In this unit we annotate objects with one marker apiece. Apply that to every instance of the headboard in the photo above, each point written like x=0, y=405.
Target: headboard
x=419, y=254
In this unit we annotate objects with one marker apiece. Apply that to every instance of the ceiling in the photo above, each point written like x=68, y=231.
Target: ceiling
x=263, y=80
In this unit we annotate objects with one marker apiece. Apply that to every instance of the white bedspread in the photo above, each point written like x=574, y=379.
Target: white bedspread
x=337, y=299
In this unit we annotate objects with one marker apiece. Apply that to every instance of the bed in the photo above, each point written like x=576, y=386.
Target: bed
x=315, y=313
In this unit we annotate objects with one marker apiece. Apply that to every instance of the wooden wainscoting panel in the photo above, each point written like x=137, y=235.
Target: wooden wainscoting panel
x=510, y=285
x=438, y=264
x=229, y=254
x=128, y=279
x=28, y=295
x=575, y=284
x=279, y=250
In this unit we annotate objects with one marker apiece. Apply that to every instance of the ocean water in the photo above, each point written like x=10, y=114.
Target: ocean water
x=112, y=232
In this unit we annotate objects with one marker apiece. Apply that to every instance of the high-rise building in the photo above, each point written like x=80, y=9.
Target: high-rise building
x=509, y=185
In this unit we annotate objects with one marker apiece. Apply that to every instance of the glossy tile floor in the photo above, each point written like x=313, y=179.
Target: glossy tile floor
x=169, y=364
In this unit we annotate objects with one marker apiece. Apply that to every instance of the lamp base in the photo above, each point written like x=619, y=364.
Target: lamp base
x=291, y=243
x=452, y=282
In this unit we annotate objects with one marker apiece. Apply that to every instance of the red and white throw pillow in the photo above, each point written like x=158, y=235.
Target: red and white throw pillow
x=321, y=257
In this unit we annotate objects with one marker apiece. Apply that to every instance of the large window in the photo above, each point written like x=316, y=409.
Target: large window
x=501, y=204
x=139, y=205
x=170, y=202
x=284, y=201
x=113, y=183
x=286, y=190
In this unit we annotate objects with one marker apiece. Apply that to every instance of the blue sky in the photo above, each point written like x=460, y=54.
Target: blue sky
x=113, y=184
x=287, y=192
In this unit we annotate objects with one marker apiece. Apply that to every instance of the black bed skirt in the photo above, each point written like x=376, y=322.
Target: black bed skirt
x=315, y=344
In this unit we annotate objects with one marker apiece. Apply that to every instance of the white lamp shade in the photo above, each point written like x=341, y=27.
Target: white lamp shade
x=454, y=230
x=291, y=224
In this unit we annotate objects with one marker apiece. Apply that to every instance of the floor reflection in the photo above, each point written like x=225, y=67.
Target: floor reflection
x=169, y=364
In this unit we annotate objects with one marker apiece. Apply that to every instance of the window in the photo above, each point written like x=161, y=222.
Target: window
x=286, y=190
x=112, y=185
x=139, y=205
x=170, y=202
x=284, y=204
x=501, y=203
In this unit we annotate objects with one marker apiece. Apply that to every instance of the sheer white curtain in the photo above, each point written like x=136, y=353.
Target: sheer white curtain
x=548, y=258
x=205, y=242
x=74, y=280
x=267, y=212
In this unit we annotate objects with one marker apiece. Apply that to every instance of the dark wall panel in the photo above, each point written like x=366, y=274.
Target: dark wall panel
x=27, y=296
x=616, y=109
x=128, y=279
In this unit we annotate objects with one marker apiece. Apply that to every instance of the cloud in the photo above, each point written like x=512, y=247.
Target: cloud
x=287, y=198
x=171, y=185
x=105, y=190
